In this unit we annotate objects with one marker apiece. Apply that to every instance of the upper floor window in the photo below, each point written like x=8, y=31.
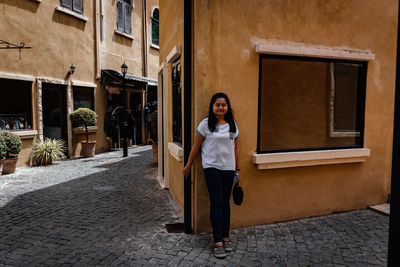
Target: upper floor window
x=124, y=10
x=73, y=5
x=310, y=103
x=154, y=27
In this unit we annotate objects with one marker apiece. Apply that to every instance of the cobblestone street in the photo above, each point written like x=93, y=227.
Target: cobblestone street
x=111, y=211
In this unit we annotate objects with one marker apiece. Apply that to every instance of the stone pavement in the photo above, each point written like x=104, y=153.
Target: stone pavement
x=111, y=211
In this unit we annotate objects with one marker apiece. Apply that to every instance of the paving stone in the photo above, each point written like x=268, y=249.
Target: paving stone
x=111, y=211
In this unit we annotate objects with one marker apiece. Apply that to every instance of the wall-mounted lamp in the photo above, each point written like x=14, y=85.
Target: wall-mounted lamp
x=124, y=68
x=72, y=69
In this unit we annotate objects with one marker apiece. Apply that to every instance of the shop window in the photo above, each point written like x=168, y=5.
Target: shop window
x=154, y=27
x=83, y=97
x=176, y=102
x=73, y=5
x=15, y=105
x=124, y=11
x=310, y=104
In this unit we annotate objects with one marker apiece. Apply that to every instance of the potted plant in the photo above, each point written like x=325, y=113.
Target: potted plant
x=84, y=117
x=3, y=152
x=46, y=151
x=13, y=147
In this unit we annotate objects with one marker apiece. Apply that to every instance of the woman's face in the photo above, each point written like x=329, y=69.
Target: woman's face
x=220, y=107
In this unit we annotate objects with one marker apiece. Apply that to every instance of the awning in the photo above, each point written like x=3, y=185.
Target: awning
x=114, y=78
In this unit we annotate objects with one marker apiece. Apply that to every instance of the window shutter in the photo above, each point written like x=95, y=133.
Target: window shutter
x=66, y=3
x=120, y=16
x=128, y=12
x=78, y=6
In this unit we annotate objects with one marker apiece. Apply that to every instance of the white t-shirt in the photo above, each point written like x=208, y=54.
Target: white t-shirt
x=218, y=147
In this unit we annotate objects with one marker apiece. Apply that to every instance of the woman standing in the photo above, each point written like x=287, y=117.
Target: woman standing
x=217, y=136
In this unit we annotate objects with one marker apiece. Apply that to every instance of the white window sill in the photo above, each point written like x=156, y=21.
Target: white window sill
x=301, y=49
x=175, y=151
x=25, y=134
x=309, y=158
x=71, y=13
x=125, y=34
x=37, y=1
x=81, y=130
x=155, y=46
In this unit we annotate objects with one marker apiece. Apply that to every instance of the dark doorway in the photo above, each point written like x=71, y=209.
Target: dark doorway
x=54, y=102
x=136, y=107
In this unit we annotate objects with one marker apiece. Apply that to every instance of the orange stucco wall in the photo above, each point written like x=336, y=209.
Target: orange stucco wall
x=58, y=40
x=225, y=33
x=171, y=17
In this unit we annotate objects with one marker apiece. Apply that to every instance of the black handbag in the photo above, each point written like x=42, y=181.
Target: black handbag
x=237, y=194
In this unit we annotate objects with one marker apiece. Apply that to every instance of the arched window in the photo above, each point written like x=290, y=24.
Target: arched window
x=154, y=27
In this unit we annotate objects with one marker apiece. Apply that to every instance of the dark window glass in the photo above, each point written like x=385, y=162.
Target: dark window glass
x=155, y=27
x=83, y=97
x=310, y=104
x=15, y=105
x=124, y=11
x=176, y=102
x=74, y=5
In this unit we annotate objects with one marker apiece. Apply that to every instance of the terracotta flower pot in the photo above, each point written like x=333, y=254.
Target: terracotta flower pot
x=1, y=166
x=155, y=153
x=88, y=148
x=9, y=165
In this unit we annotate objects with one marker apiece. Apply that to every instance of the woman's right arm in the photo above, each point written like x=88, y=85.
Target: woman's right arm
x=198, y=140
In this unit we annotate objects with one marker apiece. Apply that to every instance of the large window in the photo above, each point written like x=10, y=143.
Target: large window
x=124, y=11
x=176, y=102
x=310, y=104
x=83, y=97
x=15, y=105
x=155, y=27
x=73, y=5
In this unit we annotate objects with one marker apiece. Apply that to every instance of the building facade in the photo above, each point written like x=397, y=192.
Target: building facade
x=312, y=88
x=38, y=87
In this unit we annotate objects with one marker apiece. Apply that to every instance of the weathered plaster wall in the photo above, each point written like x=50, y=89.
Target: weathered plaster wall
x=171, y=18
x=116, y=48
x=225, y=34
x=57, y=40
x=153, y=52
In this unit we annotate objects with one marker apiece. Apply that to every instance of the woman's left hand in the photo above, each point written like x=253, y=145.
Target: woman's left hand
x=236, y=178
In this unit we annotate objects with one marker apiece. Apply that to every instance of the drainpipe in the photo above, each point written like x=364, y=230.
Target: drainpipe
x=187, y=114
x=144, y=38
x=98, y=33
x=394, y=223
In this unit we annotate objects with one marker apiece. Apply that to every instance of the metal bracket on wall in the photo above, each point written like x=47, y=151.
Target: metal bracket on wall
x=8, y=45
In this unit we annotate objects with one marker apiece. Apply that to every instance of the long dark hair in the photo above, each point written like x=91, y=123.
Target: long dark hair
x=212, y=119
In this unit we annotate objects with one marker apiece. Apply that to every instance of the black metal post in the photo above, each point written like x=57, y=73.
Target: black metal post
x=187, y=100
x=394, y=223
x=124, y=122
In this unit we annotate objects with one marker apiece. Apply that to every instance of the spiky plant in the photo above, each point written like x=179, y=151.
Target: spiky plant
x=46, y=151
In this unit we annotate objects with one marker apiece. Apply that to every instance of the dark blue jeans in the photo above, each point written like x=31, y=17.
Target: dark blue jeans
x=219, y=185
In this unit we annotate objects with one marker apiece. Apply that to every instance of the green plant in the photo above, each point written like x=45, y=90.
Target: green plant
x=83, y=117
x=13, y=143
x=48, y=150
x=3, y=148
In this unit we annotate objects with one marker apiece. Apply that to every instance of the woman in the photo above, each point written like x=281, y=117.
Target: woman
x=217, y=136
